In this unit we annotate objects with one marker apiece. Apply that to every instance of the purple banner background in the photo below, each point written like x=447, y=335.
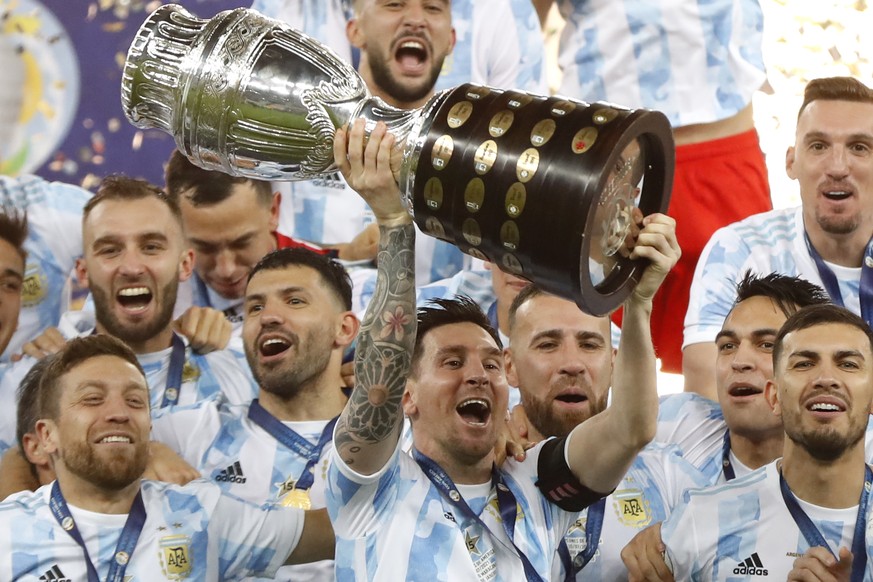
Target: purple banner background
x=71, y=107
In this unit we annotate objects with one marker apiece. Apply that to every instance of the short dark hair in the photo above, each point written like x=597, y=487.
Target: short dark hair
x=835, y=89
x=206, y=187
x=75, y=352
x=13, y=228
x=119, y=187
x=530, y=291
x=332, y=273
x=819, y=315
x=441, y=311
x=27, y=411
x=788, y=293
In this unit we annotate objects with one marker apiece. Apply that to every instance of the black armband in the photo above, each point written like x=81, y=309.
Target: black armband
x=558, y=483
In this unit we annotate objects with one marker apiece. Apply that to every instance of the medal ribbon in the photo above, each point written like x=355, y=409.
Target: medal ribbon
x=593, y=527
x=832, y=286
x=727, y=466
x=814, y=537
x=126, y=541
x=173, y=387
x=292, y=440
x=505, y=502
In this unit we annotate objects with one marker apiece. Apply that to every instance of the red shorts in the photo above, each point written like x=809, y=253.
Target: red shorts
x=715, y=183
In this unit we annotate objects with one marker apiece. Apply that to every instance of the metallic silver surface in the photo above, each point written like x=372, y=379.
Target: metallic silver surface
x=245, y=94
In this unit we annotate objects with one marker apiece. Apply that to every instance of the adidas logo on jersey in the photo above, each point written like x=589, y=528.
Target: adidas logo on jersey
x=55, y=575
x=751, y=566
x=233, y=474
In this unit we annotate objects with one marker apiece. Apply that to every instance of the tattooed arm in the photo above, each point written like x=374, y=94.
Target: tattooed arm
x=369, y=427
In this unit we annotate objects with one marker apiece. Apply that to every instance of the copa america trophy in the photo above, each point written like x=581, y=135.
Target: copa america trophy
x=545, y=187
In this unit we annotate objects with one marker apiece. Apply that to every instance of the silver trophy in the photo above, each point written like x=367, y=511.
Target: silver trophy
x=545, y=187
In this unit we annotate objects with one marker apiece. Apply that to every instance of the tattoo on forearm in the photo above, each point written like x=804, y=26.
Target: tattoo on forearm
x=384, y=348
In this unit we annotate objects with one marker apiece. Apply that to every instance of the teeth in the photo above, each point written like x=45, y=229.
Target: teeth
x=475, y=401
x=134, y=291
x=270, y=342
x=115, y=439
x=825, y=407
x=412, y=44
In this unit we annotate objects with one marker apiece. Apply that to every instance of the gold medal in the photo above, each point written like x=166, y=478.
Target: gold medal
x=298, y=498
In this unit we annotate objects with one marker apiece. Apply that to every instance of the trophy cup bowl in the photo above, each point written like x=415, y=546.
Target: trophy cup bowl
x=546, y=188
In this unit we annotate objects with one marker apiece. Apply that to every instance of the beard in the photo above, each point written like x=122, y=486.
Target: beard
x=843, y=224
x=286, y=378
x=403, y=92
x=113, y=471
x=143, y=331
x=549, y=422
x=825, y=443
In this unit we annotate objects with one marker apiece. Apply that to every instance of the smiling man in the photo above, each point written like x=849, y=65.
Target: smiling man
x=273, y=451
x=135, y=256
x=100, y=520
x=825, y=240
x=803, y=517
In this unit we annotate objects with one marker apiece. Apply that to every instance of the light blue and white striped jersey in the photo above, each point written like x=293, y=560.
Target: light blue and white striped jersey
x=191, y=533
x=395, y=525
x=696, y=426
x=498, y=43
x=653, y=486
x=697, y=62
x=204, y=376
x=764, y=243
x=54, y=242
x=723, y=532
x=239, y=456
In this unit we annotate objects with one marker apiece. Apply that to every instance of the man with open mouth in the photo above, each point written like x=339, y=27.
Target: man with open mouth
x=135, y=255
x=446, y=512
x=563, y=363
x=100, y=520
x=826, y=240
x=804, y=516
x=274, y=450
x=403, y=47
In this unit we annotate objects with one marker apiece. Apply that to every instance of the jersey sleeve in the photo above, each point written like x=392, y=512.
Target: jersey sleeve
x=254, y=540
x=713, y=288
x=359, y=503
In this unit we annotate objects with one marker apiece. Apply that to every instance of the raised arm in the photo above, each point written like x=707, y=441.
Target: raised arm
x=369, y=427
x=601, y=450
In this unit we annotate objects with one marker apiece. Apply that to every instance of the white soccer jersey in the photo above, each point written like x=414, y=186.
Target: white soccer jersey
x=243, y=459
x=653, y=486
x=395, y=525
x=742, y=530
x=498, y=43
x=696, y=425
x=765, y=243
x=697, y=62
x=54, y=242
x=190, y=533
x=203, y=376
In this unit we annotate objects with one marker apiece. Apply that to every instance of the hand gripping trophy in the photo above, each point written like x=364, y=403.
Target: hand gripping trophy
x=545, y=187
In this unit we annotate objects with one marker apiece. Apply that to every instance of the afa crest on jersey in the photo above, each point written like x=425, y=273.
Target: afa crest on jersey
x=632, y=508
x=175, y=556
